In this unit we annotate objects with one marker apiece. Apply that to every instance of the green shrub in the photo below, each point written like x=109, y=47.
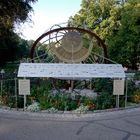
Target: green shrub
x=105, y=101
x=103, y=85
x=136, y=96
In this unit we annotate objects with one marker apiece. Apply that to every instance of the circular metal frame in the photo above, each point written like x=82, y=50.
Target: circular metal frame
x=100, y=41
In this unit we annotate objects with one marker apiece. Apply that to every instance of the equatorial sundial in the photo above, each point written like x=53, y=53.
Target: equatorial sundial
x=66, y=44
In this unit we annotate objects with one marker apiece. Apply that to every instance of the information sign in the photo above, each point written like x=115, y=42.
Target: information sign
x=24, y=87
x=118, y=87
x=69, y=71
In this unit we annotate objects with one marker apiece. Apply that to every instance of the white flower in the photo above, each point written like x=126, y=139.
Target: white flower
x=82, y=109
x=52, y=110
x=33, y=107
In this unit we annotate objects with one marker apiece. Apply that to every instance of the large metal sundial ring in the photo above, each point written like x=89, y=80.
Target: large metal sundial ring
x=68, y=40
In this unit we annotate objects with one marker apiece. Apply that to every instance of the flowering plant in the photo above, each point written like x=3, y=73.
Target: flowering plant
x=33, y=107
x=81, y=109
x=52, y=110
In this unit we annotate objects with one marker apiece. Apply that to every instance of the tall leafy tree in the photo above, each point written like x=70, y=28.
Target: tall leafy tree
x=8, y=47
x=23, y=49
x=124, y=46
x=100, y=16
x=12, y=12
x=117, y=23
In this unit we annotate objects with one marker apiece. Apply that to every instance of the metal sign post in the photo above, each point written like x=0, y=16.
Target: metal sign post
x=24, y=89
x=16, y=92
x=24, y=102
x=118, y=101
x=16, y=96
x=1, y=83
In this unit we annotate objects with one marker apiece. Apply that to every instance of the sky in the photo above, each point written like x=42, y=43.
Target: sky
x=46, y=14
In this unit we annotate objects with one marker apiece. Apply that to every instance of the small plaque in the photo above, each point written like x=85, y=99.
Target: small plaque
x=24, y=87
x=118, y=87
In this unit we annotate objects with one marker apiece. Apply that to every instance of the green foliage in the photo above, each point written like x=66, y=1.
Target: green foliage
x=8, y=47
x=117, y=23
x=12, y=12
x=105, y=101
x=63, y=102
x=57, y=101
x=43, y=94
x=125, y=43
x=103, y=85
x=137, y=76
x=42, y=89
x=136, y=96
x=131, y=87
x=23, y=49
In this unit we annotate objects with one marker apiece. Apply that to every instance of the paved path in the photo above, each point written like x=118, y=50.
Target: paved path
x=118, y=125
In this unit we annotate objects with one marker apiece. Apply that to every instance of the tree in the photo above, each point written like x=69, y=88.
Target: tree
x=117, y=23
x=100, y=16
x=12, y=12
x=8, y=48
x=124, y=46
x=23, y=49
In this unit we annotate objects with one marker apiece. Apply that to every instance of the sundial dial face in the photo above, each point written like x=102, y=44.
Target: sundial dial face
x=68, y=45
